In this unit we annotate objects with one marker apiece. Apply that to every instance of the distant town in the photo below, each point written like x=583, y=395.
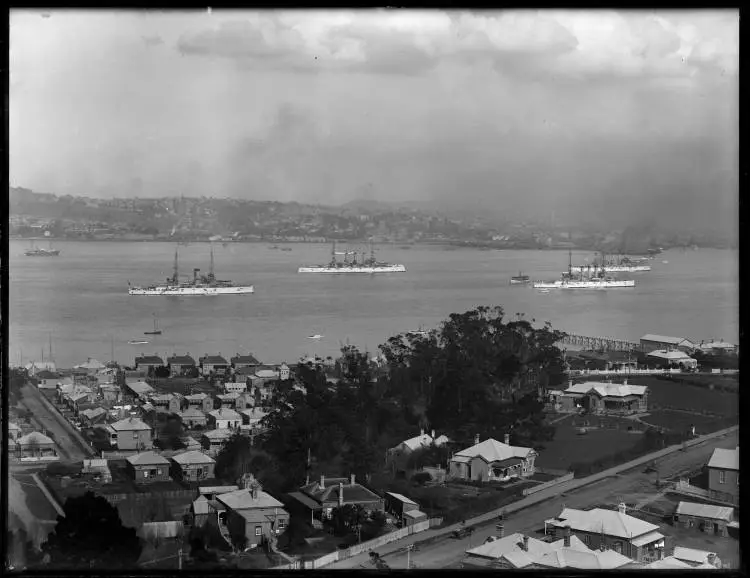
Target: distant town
x=189, y=219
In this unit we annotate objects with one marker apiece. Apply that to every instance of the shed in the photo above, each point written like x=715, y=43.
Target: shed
x=705, y=517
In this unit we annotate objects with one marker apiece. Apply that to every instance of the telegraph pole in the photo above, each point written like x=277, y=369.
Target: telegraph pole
x=409, y=548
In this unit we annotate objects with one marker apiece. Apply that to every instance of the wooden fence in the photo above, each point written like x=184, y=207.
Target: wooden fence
x=534, y=489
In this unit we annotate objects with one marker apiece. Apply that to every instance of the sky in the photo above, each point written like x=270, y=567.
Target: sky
x=627, y=116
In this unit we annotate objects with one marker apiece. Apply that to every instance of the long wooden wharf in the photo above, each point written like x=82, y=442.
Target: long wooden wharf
x=600, y=343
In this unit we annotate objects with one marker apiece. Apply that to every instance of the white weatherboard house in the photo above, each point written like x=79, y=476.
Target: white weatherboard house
x=492, y=460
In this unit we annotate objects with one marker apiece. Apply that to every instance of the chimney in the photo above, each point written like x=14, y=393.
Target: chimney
x=353, y=480
x=570, y=383
x=254, y=491
x=566, y=537
x=322, y=482
x=525, y=543
x=711, y=559
x=501, y=530
x=341, y=494
x=507, y=439
x=625, y=381
x=476, y=439
x=421, y=432
x=621, y=507
x=433, y=435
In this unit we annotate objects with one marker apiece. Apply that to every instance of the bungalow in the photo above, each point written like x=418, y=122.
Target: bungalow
x=613, y=530
x=717, y=347
x=252, y=418
x=213, y=365
x=492, y=461
x=696, y=558
x=707, y=518
x=597, y=397
x=650, y=342
x=193, y=466
x=235, y=386
x=107, y=375
x=672, y=359
x=110, y=393
x=180, y=365
x=200, y=401
x=192, y=417
x=148, y=467
x=227, y=400
x=320, y=498
x=148, y=362
x=36, y=446
x=92, y=416
x=397, y=456
x=264, y=375
x=191, y=443
x=243, y=361
x=253, y=515
x=212, y=441
x=724, y=475
x=224, y=419
x=139, y=389
x=169, y=403
x=132, y=434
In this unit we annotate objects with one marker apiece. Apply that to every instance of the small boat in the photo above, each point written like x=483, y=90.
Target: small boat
x=286, y=248
x=137, y=342
x=665, y=262
x=316, y=336
x=543, y=290
x=520, y=279
x=156, y=330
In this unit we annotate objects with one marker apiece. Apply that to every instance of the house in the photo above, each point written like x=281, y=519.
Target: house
x=148, y=362
x=244, y=361
x=108, y=375
x=491, y=460
x=132, y=434
x=148, y=467
x=724, y=475
x=264, y=375
x=110, y=393
x=696, y=558
x=244, y=400
x=227, y=400
x=213, y=365
x=200, y=401
x=235, y=386
x=224, y=419
x=650, y=342
x=192, y=417
x=519, y=551
x=99, y=468
x=406, y=510
x=193, y=466
x=705, y=517
x=251, y=515
x=717, y=348
x=180, y=365
x=252, y=420
x=36, y=446
x=598, y=398
x=672, y=358
x=212, y=441
x=90, y=367
x=92, y=416
x=320, y=498
x=169, y=403
x=65, y=392
x=139, y=389
x=79, y=399
x=398, y=456
x=614, y=530
x=284, y=372
x=14, y=431
x=191, y=443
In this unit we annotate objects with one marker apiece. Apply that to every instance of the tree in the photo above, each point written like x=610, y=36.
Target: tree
x=91, y=535
x=239, y=456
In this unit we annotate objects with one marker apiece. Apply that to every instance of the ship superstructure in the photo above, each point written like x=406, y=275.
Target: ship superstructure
x=596, y=279
x=40, y=252
x=198, y=285
x=353, y=262
x=611, y=265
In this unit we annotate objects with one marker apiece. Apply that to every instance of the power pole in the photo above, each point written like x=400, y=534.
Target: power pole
x=409, y=548
x=179, y=559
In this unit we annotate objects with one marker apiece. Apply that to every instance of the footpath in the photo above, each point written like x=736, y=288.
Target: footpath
x=541, y=496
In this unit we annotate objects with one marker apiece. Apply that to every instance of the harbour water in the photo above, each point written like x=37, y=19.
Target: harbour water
x=81, y=299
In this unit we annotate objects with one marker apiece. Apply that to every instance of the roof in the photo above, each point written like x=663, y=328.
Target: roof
x=254, y=413
x=200, y=505
x=191, y=412
x=725, y=459
x=148, y=459
x=402, y=499
x=90, y=364
x=196, y=397
x=647, y=539
x=130, y=424
x=245, y=359
x=609, y=522
x=92, y=413
x=217, y=489
x=218, y=434
x=266, y=373
x=213, y=359
x=225, y=413
x=668, y=563
x=607, y=389
x=491, y=450
x=415, y=514
x=245, y=371
x=421, y=441
x=664, y=339
x=193, y=457
x=139, y=387
x=691, y=554
x=243, y=500
x=664, y=354
x=305, y=500
x=13, y=427
x=163, y=397
x=228, y=396
x=180, y=360
x=79, y=395
x=583, y=560
x=330, y=493
x=511, y=547
x=34, y=438
x=149, y=360
x=706, y=511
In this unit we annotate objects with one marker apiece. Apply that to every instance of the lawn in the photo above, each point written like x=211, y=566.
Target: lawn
x=569, y=447
x=678, y=421
x=673, y=394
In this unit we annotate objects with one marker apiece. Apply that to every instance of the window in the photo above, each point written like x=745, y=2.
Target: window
x=722, y=477
x=618, y=547
x=135, y=435
x=587, y=539
x=145, y=473
x=257, y=530
x=282, y=523
x=158, y=472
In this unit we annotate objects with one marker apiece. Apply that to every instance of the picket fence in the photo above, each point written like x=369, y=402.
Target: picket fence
x=551, y=483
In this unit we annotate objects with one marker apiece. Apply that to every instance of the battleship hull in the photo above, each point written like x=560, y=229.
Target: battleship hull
x=354, y=269
x=604, y=284
x=616, y=269
x=176, y=290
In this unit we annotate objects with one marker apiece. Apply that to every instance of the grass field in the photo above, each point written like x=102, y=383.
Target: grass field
x=680, y=421
x=669, y=393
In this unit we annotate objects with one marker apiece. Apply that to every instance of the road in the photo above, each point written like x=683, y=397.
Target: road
x=631, y=486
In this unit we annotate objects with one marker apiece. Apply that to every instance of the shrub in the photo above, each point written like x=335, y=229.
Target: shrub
x=59, y=469
x=421, y=478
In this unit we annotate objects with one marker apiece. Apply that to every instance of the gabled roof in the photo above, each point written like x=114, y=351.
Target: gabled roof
x=668, y=563
x=139, y=387
x=245, y=359
x=664, y=339
x=193, y=457
x=584, y=560
x=163, y=397
x=511, y=548
x=402, y=499
x=254, y=413
x=266, y=373
x=607, y=389
x=706, y=511
x=191, y=412
x=94, y=412
x=130, y=424
x=34, y=438
x=148, y=459
x=491, y=450
x=725, y=459
x=149, y=360
x=231, y=396
x=79, y=395
x=243, y=500
x=90, y=364
x=609, y=522
x=180, y=360
x=421, y=441
x=225, y=413
x=691, y=554
x=213, y=360
x=196, y=397
x=217, y=489
x=218, y=434
x=330, y=493
x=665, y=354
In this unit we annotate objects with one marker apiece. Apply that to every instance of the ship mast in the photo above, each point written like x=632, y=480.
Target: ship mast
x=211, y=270
x=372, y=252
x=174, y=280
x=333, y=253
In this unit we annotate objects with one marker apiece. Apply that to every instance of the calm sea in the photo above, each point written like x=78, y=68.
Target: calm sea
x=81, y=299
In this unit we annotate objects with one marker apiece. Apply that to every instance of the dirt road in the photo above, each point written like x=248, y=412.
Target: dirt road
x=631, y=486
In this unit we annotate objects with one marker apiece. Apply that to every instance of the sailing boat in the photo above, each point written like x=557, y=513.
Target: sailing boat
x=519, y=279
x=39, y=252
x=156, y=330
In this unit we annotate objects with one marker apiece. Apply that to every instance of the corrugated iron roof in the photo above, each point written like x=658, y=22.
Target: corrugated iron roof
x=725, y=459
x=706, y=511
